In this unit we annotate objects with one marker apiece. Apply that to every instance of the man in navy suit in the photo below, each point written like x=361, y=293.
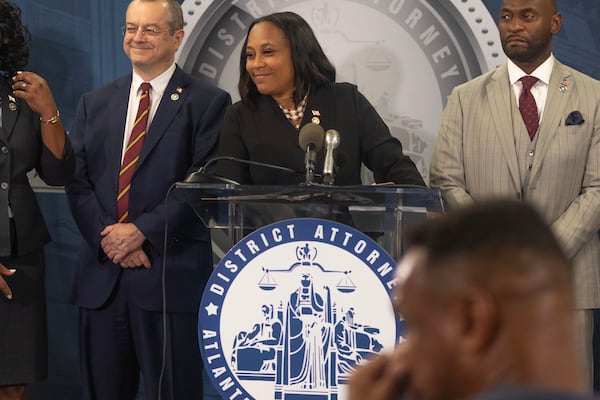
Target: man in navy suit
x=120, y=285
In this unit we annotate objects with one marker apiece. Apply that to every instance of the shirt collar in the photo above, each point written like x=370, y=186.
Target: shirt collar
x=159, y=84
x=542, y=72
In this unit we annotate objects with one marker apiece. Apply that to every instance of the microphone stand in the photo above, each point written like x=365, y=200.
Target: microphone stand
x=332, y=141
x=310, y=159
x=310, y=139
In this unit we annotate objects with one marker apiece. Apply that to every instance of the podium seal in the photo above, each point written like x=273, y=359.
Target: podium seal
x=293, y=307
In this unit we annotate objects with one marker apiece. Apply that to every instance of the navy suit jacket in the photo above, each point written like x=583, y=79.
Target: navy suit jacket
x=181, y=138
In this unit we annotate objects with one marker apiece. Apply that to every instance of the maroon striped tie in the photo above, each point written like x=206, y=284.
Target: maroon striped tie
x=132, y=153
x=527, y=106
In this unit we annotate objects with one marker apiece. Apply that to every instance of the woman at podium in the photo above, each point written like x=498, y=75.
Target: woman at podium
x=287, y=83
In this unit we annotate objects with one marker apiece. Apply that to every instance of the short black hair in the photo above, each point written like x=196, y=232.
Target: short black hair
x=497, y=231
x=15, y=40
x=312, y=68
x=553, y=4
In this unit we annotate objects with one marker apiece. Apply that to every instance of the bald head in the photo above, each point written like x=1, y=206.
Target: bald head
x=549, y=5
x=526, y=30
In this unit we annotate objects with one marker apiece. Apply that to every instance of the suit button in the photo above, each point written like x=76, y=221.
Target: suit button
x=4, y=149
x=4, y=185
x=531, y=153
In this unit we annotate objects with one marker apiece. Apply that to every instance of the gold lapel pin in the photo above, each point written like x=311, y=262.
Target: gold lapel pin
x=315, y=119
x=175, y=96
x=12, y=106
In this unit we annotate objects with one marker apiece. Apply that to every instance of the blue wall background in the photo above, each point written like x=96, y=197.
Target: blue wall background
x=77, y=43
x=77, y=47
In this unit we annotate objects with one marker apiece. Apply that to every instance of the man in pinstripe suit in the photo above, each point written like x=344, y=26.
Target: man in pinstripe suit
x=484, y=149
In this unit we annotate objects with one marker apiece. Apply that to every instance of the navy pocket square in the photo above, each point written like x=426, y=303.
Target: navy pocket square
x=575, y=118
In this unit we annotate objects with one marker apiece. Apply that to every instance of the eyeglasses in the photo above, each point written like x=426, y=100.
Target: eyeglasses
x=132, y=30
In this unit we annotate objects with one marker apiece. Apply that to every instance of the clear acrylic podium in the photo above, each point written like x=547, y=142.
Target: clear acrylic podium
x=382, y=212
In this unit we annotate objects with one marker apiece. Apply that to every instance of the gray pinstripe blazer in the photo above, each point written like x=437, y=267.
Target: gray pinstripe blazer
x=476, y=158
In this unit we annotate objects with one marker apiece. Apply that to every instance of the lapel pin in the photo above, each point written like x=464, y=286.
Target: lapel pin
x=179, y=90
x=12, y=106
x=315, y=119
x=174, y=97
x=564, y=85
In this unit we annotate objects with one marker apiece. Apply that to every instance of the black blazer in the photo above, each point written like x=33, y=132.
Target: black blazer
x=21, y=150
x=263, y=134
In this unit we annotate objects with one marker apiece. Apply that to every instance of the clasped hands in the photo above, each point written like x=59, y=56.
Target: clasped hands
x=122, y=244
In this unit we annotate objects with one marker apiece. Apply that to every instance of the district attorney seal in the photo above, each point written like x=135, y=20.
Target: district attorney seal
x=406, y=56
x=293, y=307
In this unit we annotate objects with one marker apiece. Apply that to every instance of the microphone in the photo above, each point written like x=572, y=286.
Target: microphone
x=332, y=141
x=311, y=141
x=203, y=176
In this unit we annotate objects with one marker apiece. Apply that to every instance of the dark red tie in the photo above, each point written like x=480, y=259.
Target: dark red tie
x=527, y=106
x=132, y=153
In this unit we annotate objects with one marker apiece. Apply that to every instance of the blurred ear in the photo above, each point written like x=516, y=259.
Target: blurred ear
x=178, y=37
x=556, y=23
x=479, y=314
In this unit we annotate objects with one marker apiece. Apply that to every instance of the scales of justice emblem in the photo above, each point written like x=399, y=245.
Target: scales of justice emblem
x=293, y=308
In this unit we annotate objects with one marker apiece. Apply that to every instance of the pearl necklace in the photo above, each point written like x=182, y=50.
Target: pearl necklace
x=295, y=114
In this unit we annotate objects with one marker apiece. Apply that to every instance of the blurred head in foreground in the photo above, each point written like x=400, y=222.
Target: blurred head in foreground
x=486, y=294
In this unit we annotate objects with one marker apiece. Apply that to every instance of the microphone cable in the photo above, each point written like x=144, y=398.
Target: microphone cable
x=164, y=292
x=193, y=177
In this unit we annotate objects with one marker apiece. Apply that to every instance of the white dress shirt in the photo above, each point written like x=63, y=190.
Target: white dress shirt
x=159, y=85
x=539, y=91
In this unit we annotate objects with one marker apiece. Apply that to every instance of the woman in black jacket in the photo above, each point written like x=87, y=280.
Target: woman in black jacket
x=31, y=137
x=286, y=82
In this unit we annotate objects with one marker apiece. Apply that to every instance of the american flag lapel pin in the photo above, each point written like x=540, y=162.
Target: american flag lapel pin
x=315, y=118
x=175, y=96
x=12, y=103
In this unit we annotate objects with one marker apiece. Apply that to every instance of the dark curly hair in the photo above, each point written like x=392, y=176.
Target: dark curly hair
x=312, y=68
x=15, y=39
